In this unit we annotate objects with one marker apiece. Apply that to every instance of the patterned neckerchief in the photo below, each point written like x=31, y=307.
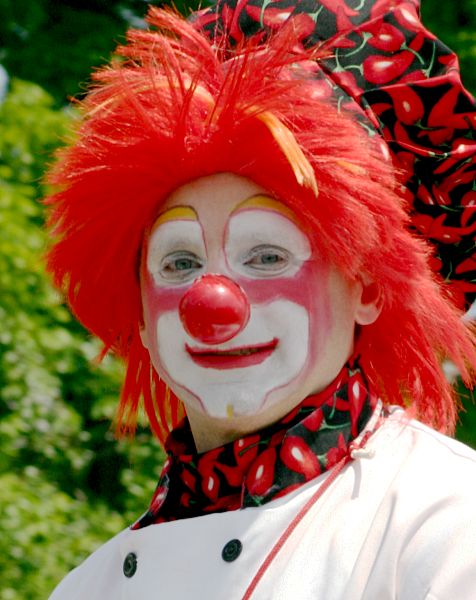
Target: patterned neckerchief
x=260, y=467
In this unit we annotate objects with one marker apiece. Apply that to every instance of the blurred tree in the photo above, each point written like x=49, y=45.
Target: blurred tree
x=55, y=43
x=65, y=484
x=455, y=25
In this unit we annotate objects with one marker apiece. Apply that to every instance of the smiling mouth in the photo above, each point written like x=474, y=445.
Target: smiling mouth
x=233, y=358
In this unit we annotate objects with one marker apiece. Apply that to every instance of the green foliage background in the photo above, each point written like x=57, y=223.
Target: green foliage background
x=66, y=485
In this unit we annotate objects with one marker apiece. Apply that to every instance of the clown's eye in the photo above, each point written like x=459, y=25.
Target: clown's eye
x=179, y=266
x=267, y=258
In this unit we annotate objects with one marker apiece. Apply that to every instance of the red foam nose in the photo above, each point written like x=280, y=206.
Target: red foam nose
x=214, y=309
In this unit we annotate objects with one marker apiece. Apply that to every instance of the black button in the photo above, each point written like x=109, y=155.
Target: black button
x=130, y=564
x=231, y=550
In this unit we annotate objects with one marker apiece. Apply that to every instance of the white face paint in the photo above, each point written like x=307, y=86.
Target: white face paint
x=300, y=330
x=227, y=385
x=233, y=378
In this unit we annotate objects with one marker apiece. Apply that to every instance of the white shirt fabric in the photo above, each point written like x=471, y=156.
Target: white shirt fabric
x=398, y=523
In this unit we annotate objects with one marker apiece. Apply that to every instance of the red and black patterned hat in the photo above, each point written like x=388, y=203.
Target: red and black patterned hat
x=378, y=54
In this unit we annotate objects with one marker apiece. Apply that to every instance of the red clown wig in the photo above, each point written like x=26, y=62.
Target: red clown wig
x=172, y=108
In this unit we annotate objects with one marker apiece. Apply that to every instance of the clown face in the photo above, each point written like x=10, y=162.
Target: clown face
x=242, y=317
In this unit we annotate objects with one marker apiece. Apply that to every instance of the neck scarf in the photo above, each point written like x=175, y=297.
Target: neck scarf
x=266, y=465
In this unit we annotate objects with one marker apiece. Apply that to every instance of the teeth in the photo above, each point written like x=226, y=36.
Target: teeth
x=242, y=352
x=237, y=352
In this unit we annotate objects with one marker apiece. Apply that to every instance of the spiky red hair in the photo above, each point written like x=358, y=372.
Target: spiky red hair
x=173, y=109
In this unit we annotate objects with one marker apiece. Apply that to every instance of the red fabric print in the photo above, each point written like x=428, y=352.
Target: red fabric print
x=245, y=450
x=467, y=265
x=314, y=420
x=158, y=498
x=385, y=37
x=233, y=475
x=189, y=480
x=297, y=456
x=469, y=199
x=271, y=17
x=407, y=104
x=381, y=69
x=336, y=6
x=210, y=485
x=380, y=7
x=260, y=467
x=357, y=397
x=334, y=455
x=261, y=474
x=406, y=15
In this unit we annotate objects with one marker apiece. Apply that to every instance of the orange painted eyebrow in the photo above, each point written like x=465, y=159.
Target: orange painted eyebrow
x=176, y=213
x=266, y=203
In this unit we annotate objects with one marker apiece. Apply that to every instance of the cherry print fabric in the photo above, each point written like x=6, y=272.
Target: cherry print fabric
x=377, y=55
x=260, y=467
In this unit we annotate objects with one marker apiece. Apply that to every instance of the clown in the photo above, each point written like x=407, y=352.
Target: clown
x=290, y=330
x=231, y=222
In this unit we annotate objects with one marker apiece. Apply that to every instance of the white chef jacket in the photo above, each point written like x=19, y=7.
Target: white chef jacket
x=399, y=522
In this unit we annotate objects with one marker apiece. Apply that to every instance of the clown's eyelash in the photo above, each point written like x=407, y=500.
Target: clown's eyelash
x=266, y=249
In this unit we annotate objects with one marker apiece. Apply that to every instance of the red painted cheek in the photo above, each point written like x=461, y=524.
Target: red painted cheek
x=155, y=301
x=307, y=288
x=158, y=300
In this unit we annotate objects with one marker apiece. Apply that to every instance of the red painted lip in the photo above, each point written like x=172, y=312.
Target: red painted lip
x=233, y=358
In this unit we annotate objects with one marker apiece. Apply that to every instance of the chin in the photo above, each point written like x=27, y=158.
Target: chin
x=225, y=405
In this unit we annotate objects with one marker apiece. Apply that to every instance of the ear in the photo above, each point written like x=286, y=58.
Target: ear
x=370, y=304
